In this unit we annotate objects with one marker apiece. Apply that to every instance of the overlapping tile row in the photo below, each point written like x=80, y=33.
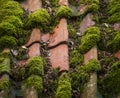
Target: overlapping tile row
x=59, y=54
x=33, y=43
x=90, y=90
x=57, y=47
x=34, y=49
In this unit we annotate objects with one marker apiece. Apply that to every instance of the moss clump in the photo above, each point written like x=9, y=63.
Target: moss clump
x=6, y=54
x=1, y=59
x=93, y=5
x=75, y=3
x=114, y=45
x=36, y=66
x=7, y=42
x=4, y=66
x=34, y=81
x=110, y=85
x=64, y=12
x=7, y=28
x=19, y=73
x=106, y=34
x=10, y=23
x=114, y=11
x=14, y=20
x=54, y=3
x=91, y=37
x=76, y=59
x=79, y=77
x=4, y=84
x=93, y=65
x=72, y=31
x=11, y=8
x=64, y=87
x=39, y=18
x=22, y=54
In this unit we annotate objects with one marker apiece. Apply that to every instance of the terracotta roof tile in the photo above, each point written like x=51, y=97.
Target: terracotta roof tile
x=117, y=54
x=60, y=33
x=87, y=22
x=63, y=2
x=32, y=5
x=35, y=36
x=91, y=54
x=59, y=57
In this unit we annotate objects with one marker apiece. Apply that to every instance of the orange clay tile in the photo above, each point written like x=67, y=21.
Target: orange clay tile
x=60, y=33
x=59, y=57
x=32, y=5
x=91, y=54
x=35, y=36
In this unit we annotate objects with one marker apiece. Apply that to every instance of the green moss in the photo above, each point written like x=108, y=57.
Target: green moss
x=114, y=45
x=91, y=37
x=76, y=59
x=6, y=54
x=1, y=59
x=4, y=84
x=10, y=22
x=89, y=1
x=64, y=12
x=11, y=8
x=81, y=74
x=34, y=81
x=7, y=28
x=36, y=66
x=23, y=36
x=14, y=20
x=74, y=3
x=114, y=11
x=7, y=42
x=93, y=5
x=4, y=66
x=19, y=73
x=1, y=1
x=106, y=34
x=110, y=85
x=22, y=54
x=39, y=18
x=93, y=65
x=114, y=18
x=95, y=18
x=93, y=8
x=72, y=31
x=54, y=3
x=64, y=87
x=79, y=77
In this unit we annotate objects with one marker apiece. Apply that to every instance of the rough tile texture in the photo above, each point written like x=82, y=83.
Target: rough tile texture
x=87, y=22
x=91, y=54
x=32, y=5
x=117, y=54
x=60, y=33
x=63, y=2
x=45, y=37
x=34, y=50
x=91, y=87
x=116, y=26
x=35, y=36
x=59, y=57
x=83, y=9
